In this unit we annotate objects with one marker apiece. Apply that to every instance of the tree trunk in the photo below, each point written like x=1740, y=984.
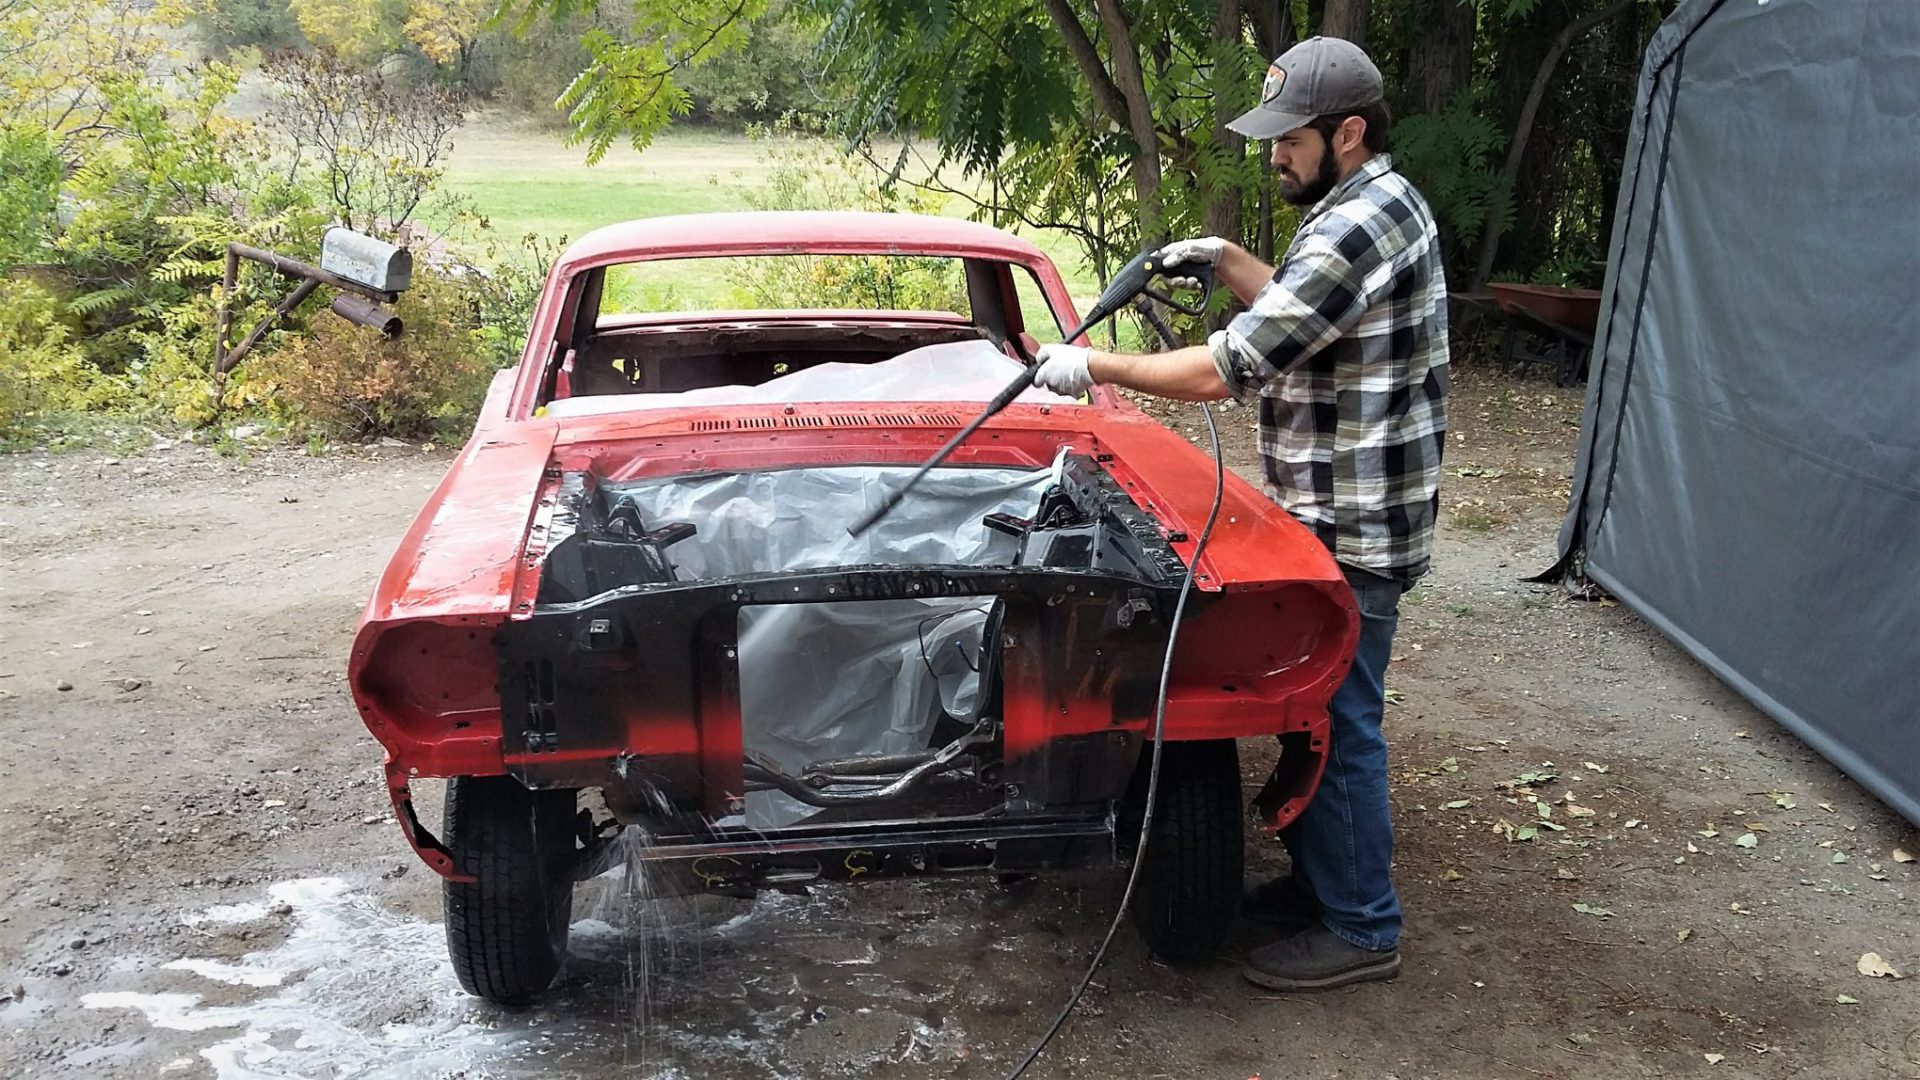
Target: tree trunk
x=1132, y=85
x=1347, y=19
x=1440, y=61
x=1523, y=128
x=1272, y=22
x=1273, y=33
x=1087, y=57
x=1224, y=214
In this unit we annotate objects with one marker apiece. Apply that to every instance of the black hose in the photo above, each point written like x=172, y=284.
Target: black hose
x=1153, y=765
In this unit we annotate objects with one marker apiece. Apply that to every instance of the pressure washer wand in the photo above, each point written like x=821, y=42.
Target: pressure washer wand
x=1131, y=281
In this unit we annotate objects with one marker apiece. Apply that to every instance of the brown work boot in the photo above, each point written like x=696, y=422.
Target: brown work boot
x=1317, y=959
x=1282, y=903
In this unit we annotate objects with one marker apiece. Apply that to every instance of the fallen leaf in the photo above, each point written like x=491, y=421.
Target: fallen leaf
x=1597, y=912
x=1873, y=967
x=1395, y=697
x=1691, y=849
x=1546, y=812
x=1526, y=832
x=1783, y=799
x=1457, y=804
x=1710, y=831
x=1759, y=826
x=1593, y=765
x=1900, y=855
x=1682, y=936
x=1580, y=811
x=1828, y=807
x=1565, y=874
x=1452, y=875
x=1747, y=840
x=1845, y=999
x=1839, y=856
x=271, y=803
x=1715, y=1059
x=1580, y=1038
x=1741, y=735
x=1633, y=823
x=1531, y=778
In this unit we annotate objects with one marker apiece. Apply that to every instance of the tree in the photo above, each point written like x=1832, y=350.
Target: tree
x=634, y=83
x=377, y=150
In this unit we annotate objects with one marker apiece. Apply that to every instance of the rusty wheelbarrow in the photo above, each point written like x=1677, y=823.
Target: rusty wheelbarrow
x=1549, y=324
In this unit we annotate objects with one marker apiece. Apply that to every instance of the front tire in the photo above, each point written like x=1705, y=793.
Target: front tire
x=1189, y=890
x=507, y=930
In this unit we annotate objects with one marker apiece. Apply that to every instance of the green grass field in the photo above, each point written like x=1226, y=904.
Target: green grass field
x=527, y=180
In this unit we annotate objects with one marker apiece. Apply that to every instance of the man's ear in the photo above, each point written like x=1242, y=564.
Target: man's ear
x=1352, y=133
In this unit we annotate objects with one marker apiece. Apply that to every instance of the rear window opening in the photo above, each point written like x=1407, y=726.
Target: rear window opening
x=915, y=283
x=758, y=329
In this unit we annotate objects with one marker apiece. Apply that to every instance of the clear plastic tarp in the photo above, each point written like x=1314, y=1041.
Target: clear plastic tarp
x=955, y=371
x=832, y=680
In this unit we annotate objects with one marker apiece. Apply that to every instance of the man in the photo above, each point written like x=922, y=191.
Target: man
x=1345, y=347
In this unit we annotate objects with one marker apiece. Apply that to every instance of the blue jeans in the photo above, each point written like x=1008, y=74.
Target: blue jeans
x=1342, y=844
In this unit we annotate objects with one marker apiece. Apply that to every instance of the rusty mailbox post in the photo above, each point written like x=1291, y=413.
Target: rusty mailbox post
x=367, y=272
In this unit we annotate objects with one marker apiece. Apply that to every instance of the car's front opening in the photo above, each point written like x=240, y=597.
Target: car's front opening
x=719, y=656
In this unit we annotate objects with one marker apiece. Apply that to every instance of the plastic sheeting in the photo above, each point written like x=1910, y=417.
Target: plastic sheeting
x=831, y=680
x=956, y=371
x=1749, y=468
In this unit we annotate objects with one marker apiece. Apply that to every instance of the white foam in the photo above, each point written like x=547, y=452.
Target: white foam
x=355, y=990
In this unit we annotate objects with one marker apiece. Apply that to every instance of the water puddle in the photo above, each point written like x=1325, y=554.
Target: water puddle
x=886, y=978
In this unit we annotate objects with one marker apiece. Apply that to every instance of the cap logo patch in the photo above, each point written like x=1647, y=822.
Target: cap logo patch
x=1276, y=80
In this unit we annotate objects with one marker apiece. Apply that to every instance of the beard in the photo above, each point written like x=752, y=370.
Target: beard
x=1308, y=192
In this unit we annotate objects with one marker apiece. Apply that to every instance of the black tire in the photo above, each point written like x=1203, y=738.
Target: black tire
x=507, y=930
x=1189, y=890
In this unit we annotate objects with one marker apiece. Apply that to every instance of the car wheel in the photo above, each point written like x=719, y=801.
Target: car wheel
x=507, y=929
x=1189, y=889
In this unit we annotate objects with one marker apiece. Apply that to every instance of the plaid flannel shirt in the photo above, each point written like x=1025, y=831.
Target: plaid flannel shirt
x=1346, y=349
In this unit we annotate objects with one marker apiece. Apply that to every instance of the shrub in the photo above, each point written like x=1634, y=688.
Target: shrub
x=42, y=367
x=346, y=381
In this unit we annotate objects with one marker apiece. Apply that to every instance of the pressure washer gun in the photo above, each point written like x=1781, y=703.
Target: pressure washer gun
x=1134, y=280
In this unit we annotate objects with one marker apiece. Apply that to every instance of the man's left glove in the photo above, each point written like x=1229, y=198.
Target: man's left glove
x=1063, y=369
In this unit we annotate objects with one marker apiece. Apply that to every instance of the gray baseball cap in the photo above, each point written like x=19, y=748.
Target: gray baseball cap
x=1317, y=77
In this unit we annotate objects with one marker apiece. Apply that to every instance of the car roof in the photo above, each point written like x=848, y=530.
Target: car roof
x=774, y=232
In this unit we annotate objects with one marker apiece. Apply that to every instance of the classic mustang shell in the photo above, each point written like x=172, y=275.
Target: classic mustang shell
x=536, y=636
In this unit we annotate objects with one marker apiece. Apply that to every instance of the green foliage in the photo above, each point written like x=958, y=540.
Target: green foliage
x=32, y=166
x=227, y=25
x=1453, y=157
x=804, y=172
x=42, y=367
x=129, y=251
x=765, y=78
x=633, y=85
x=993, y=86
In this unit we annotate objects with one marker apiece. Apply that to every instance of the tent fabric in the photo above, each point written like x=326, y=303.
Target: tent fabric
x=1748, y=478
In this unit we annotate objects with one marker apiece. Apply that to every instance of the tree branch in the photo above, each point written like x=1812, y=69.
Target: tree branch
x=1081, y=47
x=1523, y=129
x=1146, y=140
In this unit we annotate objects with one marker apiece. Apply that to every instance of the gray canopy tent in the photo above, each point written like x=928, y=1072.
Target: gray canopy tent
x=1749, y=470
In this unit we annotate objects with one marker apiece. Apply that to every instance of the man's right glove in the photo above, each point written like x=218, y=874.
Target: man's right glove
x=1202, y=251
x=1063, y=369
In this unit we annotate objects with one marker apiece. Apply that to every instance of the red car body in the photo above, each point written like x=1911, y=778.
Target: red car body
x=1268, y=635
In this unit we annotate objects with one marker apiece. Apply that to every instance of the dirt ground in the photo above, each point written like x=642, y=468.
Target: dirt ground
x=203, y=879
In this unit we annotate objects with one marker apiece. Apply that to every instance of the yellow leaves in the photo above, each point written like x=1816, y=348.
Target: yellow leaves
x=444, y=28
x=347, y=27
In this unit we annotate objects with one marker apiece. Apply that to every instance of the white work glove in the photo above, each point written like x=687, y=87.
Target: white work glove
x=1063, y=369
x=1202, y=251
